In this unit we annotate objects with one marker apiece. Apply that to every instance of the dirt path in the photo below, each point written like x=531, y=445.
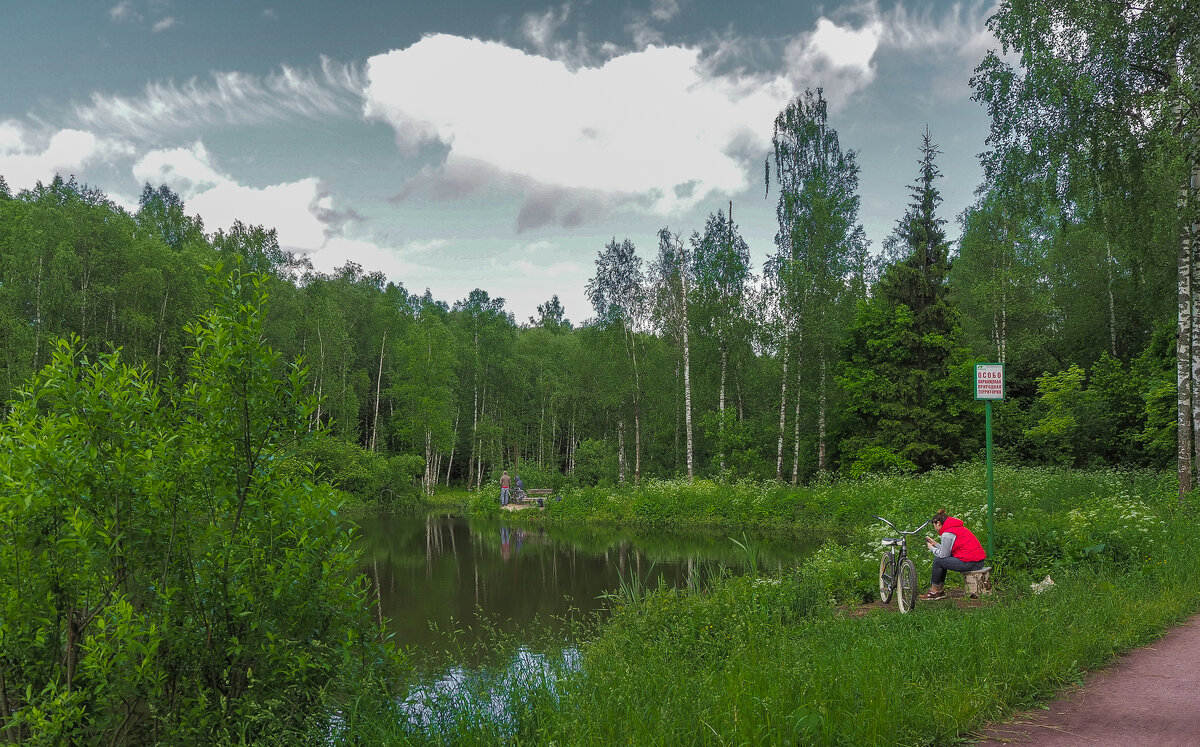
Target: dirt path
x=1150, y=696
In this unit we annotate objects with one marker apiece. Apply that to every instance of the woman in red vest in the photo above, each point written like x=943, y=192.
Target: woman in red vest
x=957, y=550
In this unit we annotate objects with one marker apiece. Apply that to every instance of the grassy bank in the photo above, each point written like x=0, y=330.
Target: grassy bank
x=786, y=658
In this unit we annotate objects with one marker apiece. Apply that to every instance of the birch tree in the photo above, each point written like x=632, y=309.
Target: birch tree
x=819, y=244
x=1097, y=81
x=617, y=293
x=671, y=278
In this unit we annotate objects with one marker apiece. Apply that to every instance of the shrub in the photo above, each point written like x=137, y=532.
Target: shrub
x=173, y=574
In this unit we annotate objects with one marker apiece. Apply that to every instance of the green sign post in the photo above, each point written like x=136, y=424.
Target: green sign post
x=989, y=386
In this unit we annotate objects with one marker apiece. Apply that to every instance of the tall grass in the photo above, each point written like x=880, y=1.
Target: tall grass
x=771, y=660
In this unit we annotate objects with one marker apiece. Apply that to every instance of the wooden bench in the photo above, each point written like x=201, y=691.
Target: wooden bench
x=979, y=582
x=532, y=496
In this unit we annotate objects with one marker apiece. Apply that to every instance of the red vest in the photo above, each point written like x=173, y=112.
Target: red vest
x=966, y=545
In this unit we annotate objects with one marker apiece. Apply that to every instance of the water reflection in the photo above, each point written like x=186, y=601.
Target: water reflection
x=449, y=584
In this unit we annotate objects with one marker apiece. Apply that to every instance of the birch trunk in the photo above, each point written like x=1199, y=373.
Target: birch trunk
x=721, y=431
x=1188, y=240
x=782, y=411
x=1183, y=367
x=378, y=389
x=162, y=319
x=796, y=451
x=430, y=476
x=37, y=316
x=1112, y=302
x=453, y=446
x=621, y=453
x=474, y=435
x=821, y=450
x=687, y=387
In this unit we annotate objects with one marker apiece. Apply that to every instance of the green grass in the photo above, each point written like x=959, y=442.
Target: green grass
x=773, y=659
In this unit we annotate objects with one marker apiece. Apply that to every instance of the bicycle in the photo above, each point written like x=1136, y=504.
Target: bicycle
x=896, y=569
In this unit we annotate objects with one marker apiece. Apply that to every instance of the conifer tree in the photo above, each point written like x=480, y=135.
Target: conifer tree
x=901, y=348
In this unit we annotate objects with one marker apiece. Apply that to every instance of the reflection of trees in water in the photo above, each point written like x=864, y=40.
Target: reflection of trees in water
x=433, y=574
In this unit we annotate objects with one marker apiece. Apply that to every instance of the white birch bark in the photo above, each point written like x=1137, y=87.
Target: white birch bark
x=378, y=389
x=1183, y=356
x=821, y=449
x=782, y=410
x=687, y=382
x=621, y=453
x=724, y=361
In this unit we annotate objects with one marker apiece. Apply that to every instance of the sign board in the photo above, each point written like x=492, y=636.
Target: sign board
x=989, y=381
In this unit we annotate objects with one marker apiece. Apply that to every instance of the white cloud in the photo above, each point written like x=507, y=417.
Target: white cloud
x=837, y=58
x=651, y=123
x=167, y=108
x=962, y=29
x=664, y=10
x=123, y=11
x=26, y=159
x=541, y=28
x=164, y=24
x=294, y=209
x=339, y=250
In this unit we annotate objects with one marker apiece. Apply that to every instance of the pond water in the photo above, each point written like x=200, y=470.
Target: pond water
x=447, y=583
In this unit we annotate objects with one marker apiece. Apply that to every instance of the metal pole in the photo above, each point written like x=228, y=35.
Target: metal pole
x=990, y=489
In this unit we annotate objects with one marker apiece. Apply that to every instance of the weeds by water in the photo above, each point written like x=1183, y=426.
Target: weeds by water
x=769, y=660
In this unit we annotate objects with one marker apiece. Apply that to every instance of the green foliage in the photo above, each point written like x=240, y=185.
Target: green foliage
x=595, y=463
x=878, y=460
x=173, y=574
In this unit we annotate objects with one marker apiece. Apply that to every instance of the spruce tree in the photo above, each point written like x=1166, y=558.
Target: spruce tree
x=901, y=348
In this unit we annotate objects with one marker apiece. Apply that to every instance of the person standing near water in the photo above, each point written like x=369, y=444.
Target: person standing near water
x=504, y=483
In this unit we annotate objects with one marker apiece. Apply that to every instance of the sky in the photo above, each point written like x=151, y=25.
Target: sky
x=483, y=144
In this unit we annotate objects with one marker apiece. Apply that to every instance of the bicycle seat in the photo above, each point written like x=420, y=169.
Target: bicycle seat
x=891, y=541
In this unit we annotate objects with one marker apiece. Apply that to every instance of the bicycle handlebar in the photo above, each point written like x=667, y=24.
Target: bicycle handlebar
x=901, y=531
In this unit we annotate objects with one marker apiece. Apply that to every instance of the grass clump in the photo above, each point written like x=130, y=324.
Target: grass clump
x=778, y=659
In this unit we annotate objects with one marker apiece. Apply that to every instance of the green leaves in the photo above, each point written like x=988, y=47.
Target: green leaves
x=143, y=532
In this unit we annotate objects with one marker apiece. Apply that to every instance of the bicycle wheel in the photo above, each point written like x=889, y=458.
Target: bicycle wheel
x=887, y=577
x=907, y=584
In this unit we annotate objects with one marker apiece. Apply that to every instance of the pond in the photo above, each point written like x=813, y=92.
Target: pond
x=446, y=583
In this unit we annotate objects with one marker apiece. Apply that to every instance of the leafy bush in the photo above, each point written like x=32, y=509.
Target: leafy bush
x=173, y=574
x=371, y=477
x=595, y=463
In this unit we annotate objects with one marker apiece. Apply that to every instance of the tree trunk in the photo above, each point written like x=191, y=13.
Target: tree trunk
x=721, y=429
x=1112, y=303
x=428, y=479
x=687, y=387
x=453, y=446
x=37, y=316
x=474, y=435
x=378, y=388
x=637, y=407
x=1183, y=367
x=621, y=453
x=821, y=449
x=162, y=318
x=782, y=410
x=1191, y=228
x=796, y=451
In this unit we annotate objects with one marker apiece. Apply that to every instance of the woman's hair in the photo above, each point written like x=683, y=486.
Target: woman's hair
x=940, y=517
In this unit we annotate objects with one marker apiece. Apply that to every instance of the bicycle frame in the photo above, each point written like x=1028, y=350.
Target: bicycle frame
x=895, y=565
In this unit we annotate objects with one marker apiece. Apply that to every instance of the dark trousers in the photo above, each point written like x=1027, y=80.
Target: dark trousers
x=941, y=565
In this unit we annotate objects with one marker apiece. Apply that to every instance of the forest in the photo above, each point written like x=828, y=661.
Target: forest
x=833, y=358
x=176, y=402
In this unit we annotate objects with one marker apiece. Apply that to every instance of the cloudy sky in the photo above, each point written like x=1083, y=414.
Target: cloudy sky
x=471, y=144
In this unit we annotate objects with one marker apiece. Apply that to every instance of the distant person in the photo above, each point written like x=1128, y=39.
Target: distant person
x=520, y=485
x=958, y=549
x=504, y=485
